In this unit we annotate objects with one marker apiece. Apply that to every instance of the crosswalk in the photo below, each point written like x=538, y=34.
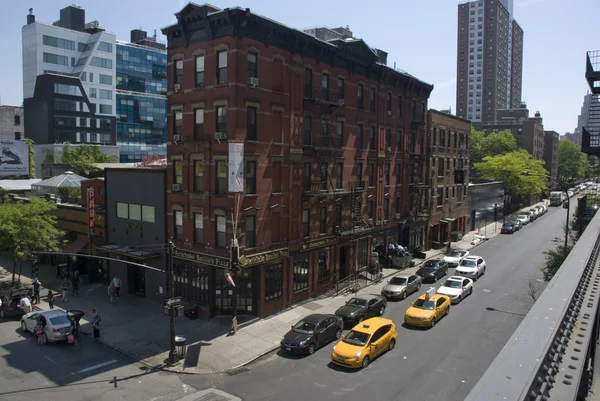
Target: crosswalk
x=210, y=394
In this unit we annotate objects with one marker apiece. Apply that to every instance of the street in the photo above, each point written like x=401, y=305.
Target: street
x=443, y=363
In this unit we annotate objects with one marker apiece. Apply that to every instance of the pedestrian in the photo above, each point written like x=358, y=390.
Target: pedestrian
x=65, y=290
x=75, y=283
x=117, y=284
x=96, y=319
x=25, y=305
x=111, y=291
x=39, y=331
x=50, y=298
x=74, y=332
x=36, y=291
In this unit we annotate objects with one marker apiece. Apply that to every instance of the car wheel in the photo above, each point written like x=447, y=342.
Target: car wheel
x=1, y=313
x=338, y=334
x=381, y=311
x=419, y=287
x=366, y=361
x=483, y=272
x=44, y=338
x=470, y=290
x=403, y=295
x=23, y=327
x=311, y=349
x=392, y=344
x=447, y=311
x=433, y=322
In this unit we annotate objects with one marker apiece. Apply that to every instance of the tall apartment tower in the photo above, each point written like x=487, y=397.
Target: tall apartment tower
x=489, y=60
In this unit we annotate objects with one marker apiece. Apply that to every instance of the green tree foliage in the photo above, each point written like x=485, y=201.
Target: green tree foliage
x=491, y=144
x=508, y=167
x=31, y=159
x=572, y=162
x=28, y=226
x=70, y=194
x=83, y=158
x=557, y=256
x=476, y=138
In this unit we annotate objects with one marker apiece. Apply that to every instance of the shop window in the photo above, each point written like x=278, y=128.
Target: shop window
x=250, y=226
x=198, y=228
x=221, y=177
x=198, y=175
x=135, y=212
x=122, y=210
x=178, y=222
x=300, y=272
x=220, y=231
x=273, y=282
x=323, y=273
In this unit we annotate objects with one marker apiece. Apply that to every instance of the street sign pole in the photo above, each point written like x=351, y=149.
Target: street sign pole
x=173, y=359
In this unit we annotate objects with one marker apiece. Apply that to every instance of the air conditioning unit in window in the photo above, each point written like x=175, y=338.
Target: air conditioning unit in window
x=220, y=136
x=177, y=87
x=342, y=102
x=176, y=138
x=176, y=188
x=389, y=113
x=389, y=149
x=253, y=82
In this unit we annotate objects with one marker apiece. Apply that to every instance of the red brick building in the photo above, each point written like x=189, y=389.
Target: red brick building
x=325, y=125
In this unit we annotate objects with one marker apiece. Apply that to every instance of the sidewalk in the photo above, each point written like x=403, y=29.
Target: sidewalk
x=140, y=329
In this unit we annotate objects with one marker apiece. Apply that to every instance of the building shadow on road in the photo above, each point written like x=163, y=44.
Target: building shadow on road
x=504, y=311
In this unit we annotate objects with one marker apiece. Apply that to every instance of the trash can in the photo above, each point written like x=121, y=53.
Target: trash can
x=180, y=346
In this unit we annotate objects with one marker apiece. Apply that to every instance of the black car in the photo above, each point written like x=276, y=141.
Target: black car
x=312, y=332
x=358, y=309
x=508, y=228
x=433, y=270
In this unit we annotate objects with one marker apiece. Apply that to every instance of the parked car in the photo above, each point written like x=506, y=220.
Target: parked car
x=427, y=310
x=456, y=288
x=508, y=228
x=358, y=309
x=365, y=342
x=10, y=299
x=518, y=224
x=532, y=216
x=455, y=257
x=534, y=213
x=312, y=332
x=432, y=270
x=523, y=218
x=58, y=325
x=472, y=267
x=399, y=287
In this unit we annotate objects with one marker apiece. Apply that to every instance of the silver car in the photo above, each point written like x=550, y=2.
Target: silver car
x=58, y=325
x=399, y=287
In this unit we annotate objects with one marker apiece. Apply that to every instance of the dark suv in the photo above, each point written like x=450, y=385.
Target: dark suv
x=432, y=270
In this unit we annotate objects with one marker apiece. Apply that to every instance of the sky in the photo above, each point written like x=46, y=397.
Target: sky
x=419, y=35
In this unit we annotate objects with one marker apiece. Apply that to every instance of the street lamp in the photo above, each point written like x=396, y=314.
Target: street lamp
x=563, y=188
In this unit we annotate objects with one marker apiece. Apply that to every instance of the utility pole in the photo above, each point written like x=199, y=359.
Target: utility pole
x=173, y=359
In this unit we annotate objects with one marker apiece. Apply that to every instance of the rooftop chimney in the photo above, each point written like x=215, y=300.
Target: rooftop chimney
x=30, y=17
x=537, y=114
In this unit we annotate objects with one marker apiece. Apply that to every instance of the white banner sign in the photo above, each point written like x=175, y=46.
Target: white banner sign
x=236, y=167
x=14, y=158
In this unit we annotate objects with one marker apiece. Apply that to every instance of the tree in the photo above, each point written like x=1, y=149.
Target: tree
x=572, y=162
x=31, y=159
x=508, y=167
x=476, y=138
x=28, y=226
x=83, y=158
x=498, y=143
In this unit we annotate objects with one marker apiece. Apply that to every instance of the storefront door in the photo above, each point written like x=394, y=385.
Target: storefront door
x=136, y=280
x=245, y=299
x=223, y=292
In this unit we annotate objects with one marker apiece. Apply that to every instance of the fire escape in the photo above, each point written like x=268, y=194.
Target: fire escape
x=590, y=139
x=419, y=182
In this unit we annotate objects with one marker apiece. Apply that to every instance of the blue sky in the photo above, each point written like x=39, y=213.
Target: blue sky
x=419, y=35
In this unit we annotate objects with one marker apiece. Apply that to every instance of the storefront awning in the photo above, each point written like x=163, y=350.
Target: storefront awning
x=134, y=253
x=75, y=246
x=448, y=220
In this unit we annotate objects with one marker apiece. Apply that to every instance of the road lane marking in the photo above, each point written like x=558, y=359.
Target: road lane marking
x=100, y=365
x=54, y=362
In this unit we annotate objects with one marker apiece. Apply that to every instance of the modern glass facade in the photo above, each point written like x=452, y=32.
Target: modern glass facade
x=141, y=102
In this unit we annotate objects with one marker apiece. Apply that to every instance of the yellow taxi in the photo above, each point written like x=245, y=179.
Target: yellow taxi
x=365, y=342
x=427, y=310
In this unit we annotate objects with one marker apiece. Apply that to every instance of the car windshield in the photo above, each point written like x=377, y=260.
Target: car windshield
x=468, y=263
x=357, y=338
x=522, y=216
x=456, y=254
x=58, y=320
x=398, y=281
x=357, y=302
x=507, y=225
x=424, y=304
x=431, y=263
x=304, y=327
x=453, y=284
x=516, y=222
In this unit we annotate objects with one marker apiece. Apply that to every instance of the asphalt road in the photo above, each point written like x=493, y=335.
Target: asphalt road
x=442, y=363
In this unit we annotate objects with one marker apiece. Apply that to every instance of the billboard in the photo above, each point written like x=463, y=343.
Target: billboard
x=236, y=167
x=14, y=158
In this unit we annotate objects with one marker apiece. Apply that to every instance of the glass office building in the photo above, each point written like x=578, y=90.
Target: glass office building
x=141, y=101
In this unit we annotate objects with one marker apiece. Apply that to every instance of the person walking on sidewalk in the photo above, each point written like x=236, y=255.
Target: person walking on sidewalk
x=96, y=319
x=111, y=291
x=50, y=298
x=75, y=283
x=116, y=281
x=65, y=290
x=36, y=291
x=25, y=305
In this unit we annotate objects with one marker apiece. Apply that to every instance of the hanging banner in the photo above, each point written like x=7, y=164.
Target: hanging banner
x=14, y=158
x=236, y=167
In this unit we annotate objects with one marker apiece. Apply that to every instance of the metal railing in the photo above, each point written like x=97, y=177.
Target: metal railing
x=550, y=356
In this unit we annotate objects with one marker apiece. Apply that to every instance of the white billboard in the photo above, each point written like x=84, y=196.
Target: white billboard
x=14, y=158
x=236, y=167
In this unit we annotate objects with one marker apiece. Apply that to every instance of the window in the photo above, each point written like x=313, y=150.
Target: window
x=388, y=137
x=250, y=177
x=178, y=72
x=221, y=231
x=273, y=282
x=300, y=272
x=101, y=62
x=250, y=226
x=221, y=177
x=17, y=120
x=105, y=109
x=59, y=43
x=440, y=172
x=361, y=90
x=440, y=196
x=324, y=176
x=372, y=99
x=338, y=216
x=324, y=273
x=306, y=177
x=106, y=79
x=397, y=205
x=359, y=175
x=178, y=126
x=370, y=208
x=177, y=171
x=199, y=79
x=276, y=177
x=17, y=136
x=442, y=137
x=252, y=65
x=222, y=67
x=340, y=134
x=56, y=59
x=323, y=220
x=148, y=215
x=414, y=111
x=198, y=228
x=105, y=47
x=325, y=86
x=341, y=88
x=122, y=210
x=372, y=137
x=388, y=102
x=339, y=176
x=198, y=175
x=93, y=93
x=371, y=174
x=387, y=168
x=359, y=136
x=386, y=209
x=178, y=220
x=251, y=113
x=198, y=123
x=91, y=77
x=105, y=94
x=305, y=222
x=221, y=119
x=308, y=83
x=307, y=130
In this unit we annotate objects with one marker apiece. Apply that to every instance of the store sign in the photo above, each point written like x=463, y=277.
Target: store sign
x=320, y=243
x=265, y=257
x=133, y=226
x=201, y=258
